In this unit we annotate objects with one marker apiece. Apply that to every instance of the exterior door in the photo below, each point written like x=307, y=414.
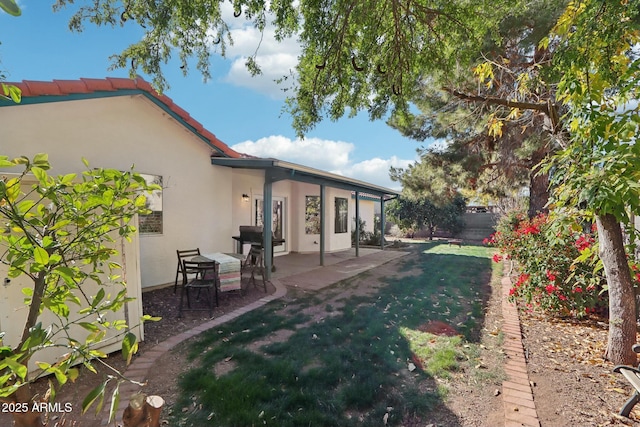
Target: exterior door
x=279, y=220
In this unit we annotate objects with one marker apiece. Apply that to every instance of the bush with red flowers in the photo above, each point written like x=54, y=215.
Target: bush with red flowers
x=560, y=271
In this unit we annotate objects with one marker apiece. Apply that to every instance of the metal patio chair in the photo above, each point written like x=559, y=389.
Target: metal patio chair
x=206, y=281
x=188, y=253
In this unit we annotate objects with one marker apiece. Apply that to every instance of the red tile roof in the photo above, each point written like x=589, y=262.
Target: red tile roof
x=31, y=88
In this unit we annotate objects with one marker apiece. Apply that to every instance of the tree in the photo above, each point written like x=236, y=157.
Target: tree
x=356, y=54
x=413, y=213
x=600, y=167
x=498, y=151
x=60, y=232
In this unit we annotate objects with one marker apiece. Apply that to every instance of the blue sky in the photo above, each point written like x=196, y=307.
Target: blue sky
x=244, y=112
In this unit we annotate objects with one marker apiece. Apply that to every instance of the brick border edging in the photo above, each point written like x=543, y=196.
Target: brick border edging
x=139, y=368
x=517, y=396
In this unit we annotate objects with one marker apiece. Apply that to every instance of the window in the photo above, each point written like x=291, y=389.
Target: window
x=342, y=214
x=151, y=223
x=312, y=215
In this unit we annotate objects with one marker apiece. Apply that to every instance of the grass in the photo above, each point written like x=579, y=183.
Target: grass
x=345, y=360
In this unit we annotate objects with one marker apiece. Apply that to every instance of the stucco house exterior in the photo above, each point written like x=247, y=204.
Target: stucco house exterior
x=208, y=189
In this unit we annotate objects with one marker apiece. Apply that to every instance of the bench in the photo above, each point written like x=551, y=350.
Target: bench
x=633, y=376
x=455, y=242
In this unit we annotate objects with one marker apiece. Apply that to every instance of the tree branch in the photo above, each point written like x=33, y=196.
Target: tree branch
x=542, y=107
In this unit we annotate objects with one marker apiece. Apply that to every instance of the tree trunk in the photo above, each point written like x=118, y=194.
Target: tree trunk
x=538, y=187
x=622, y=322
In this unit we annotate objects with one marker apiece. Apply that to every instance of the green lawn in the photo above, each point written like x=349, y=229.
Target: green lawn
x=348, y=351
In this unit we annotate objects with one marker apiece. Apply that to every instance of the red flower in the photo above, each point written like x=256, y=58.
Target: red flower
x=551, y=289
x=497, y=258
x=578, y=290
x=638, y=277
x=523, y=278
x=551, y=276
x=512, y=291
x=594, y=228
x=583, y=242
x=562, y=297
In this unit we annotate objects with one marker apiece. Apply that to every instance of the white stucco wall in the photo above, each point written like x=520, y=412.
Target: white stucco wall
x=367, y=208
x=122, y=131
x=337, y=241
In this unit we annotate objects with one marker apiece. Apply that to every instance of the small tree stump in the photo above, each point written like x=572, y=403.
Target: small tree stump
x=154, y=405
x=143, y=411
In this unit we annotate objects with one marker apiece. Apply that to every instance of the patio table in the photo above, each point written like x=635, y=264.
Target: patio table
x=228, y=270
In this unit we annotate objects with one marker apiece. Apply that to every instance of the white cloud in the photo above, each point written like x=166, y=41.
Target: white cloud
x=328, y=155
x=313, y=152
x=376, y=170
x=276, y=59
x=273, y=67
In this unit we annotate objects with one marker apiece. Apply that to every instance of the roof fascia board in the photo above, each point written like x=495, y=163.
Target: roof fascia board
x=276, y=170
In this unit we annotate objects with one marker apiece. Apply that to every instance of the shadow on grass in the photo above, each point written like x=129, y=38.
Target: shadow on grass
x=352, y=363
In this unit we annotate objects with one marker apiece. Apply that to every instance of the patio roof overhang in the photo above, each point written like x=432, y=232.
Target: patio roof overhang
x=278, y=170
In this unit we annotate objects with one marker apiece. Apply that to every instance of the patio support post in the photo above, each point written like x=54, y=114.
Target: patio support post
x=268, y=225
x=322, y=222
x=357, y=224
x=382, y=222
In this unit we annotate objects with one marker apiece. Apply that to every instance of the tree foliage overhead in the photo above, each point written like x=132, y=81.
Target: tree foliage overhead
x=356, y=55
x=495, y=120
x=183, y=28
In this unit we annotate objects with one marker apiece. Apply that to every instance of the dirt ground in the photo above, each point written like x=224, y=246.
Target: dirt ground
x=572, y=384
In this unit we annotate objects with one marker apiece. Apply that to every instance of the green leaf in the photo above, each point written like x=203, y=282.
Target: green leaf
x=115, y=401
x=129, y=346
x=10, y=7
x=89, y=326
x=68, y=179
x=41, y=160
x=40, y=255
x=13, y=189
x=51, y=391
x=18, y=368
x=94, y=394
x=15, y=93
x=40, y=175
x=5, y=162
x=73, y=373
x=99, y=297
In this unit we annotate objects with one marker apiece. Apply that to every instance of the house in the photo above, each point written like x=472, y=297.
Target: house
x=208, y=189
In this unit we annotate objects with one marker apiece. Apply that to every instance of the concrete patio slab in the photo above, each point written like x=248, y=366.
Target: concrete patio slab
x=297, y=270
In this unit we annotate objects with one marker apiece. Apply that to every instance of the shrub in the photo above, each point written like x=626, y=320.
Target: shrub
x=371, y=238
x=560, y=271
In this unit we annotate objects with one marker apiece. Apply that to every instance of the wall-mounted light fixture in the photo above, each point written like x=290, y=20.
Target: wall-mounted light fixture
x=245, y=197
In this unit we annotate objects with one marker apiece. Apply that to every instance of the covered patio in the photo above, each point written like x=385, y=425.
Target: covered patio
x=273, y=172
x=301, y=270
